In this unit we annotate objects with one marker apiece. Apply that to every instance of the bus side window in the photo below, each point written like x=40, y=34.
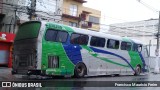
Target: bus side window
x=137, y=47
x=84, y=39
x=113, y=44
x=56, y=36
x=79, y=39
x=61, y=36
x=97, y=41
x=75, y=38
x=126, y=46
x=51, y=35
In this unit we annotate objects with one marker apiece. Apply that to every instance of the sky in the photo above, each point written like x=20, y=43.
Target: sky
x=120, y=11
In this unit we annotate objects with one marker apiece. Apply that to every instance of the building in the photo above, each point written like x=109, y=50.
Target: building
x=45, y=10
x=7, y=35
x=141, y=30
x=76, y=15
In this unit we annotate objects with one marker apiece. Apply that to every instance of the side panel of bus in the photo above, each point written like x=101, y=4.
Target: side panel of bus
x=102, y=61
x=54, y=57
x=99, y=61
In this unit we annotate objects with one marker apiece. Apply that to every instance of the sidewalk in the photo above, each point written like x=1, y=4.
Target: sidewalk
x=5, y=74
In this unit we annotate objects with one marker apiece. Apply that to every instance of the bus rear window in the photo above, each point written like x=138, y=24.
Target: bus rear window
x=28, y=30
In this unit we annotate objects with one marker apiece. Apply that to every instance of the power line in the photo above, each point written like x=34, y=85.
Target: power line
x=54, y=18
x=148, y=6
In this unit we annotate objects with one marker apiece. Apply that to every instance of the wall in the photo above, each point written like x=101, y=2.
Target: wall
x=9, y=18
x=66, y=6
x=95, y=13
x=141, y=30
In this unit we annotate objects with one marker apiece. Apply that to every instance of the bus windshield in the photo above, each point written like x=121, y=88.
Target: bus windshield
x=28, y=30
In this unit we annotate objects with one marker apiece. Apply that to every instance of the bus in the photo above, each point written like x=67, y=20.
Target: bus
x=52, y=49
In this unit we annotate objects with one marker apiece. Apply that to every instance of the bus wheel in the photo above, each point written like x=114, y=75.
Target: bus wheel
x=137, y=70
x=80, y=70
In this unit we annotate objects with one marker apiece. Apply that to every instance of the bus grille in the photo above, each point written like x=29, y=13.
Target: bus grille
x=53, y=62
x=26, y=60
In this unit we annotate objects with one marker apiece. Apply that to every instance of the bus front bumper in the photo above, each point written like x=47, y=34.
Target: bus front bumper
x=28, y=72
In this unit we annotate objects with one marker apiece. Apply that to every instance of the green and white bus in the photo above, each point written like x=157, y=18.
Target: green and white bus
x=51, y=49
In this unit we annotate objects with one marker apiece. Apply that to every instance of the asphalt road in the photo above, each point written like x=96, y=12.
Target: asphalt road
x=88, y=83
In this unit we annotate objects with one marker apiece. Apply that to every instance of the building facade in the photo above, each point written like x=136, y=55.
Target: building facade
x=76, y=15
x=15, y=12
x=142, y=30
x=45, y=10
x=7, y=26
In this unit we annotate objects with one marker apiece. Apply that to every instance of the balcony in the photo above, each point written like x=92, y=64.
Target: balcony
x=72, y=15
x=86, y=24
x=80, y=1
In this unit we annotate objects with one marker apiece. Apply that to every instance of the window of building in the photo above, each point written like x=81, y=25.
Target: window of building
x=73, y=10
x=97, y=42
x=56, y=36
x=94, y=19
x=73, y=24
x=126, y=46
x=79, y=39
x=113, y=44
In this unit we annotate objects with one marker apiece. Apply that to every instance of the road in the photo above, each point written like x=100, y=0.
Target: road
x=5, y=75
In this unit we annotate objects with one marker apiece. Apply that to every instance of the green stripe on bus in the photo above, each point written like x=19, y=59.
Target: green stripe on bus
x=135, y=58
x=56, y=49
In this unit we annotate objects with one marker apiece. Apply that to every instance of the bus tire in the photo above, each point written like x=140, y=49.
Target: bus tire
x=137, y=70
x=80, y=70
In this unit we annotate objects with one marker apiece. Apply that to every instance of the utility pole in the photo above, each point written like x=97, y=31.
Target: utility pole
x=32, y=11
x=156, y=69
x=158, y=32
